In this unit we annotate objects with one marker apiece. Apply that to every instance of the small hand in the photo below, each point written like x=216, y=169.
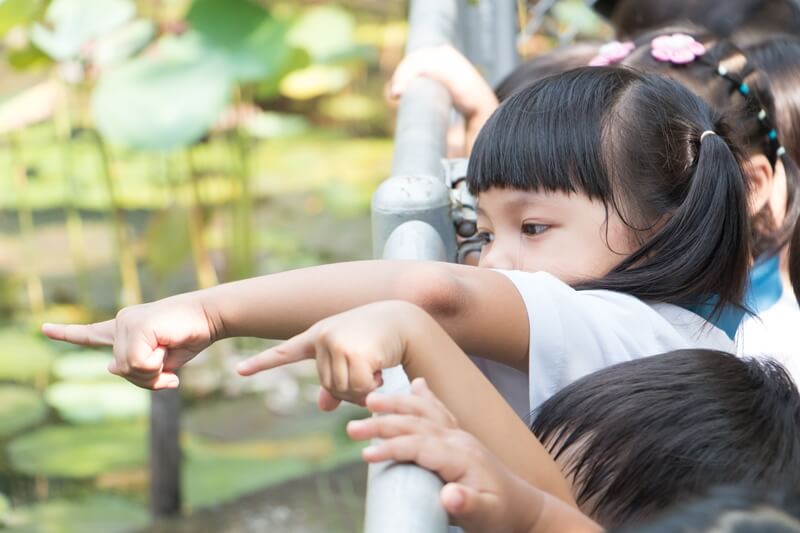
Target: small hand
x=149, y=341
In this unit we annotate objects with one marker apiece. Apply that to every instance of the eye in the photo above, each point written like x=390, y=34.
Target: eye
x=534, y=229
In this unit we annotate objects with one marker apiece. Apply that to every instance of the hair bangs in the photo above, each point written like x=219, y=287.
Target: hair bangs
x=548, y=136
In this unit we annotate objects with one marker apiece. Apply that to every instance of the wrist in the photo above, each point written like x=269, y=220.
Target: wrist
x=217, y=328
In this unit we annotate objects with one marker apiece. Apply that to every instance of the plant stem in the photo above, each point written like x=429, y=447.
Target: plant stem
x=204, y=268
x=131, y=289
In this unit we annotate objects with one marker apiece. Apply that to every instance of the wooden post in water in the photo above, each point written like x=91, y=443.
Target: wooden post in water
x=165, y=453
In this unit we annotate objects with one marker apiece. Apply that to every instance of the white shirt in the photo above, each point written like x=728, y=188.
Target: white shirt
x=574, y=333
x=774, y=333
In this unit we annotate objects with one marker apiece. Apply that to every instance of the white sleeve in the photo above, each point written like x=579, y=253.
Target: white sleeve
x=574, y=333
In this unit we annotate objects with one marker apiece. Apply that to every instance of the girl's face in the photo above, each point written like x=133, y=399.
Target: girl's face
x=567, y=235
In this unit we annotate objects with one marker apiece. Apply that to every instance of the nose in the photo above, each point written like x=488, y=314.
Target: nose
x=499, y=254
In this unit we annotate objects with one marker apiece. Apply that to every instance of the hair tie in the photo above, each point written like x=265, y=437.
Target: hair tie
x=706, y=133
x=677, y=48
x=611, y=53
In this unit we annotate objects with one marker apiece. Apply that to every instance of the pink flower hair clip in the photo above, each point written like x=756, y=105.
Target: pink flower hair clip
x=677, y=48
x=611, y=53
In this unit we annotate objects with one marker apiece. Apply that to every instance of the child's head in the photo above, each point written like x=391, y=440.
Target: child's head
x=728, y=80
x=555, y=61
x=734, y=509
x=609, y=178
x=632, y=17
x=640, y=436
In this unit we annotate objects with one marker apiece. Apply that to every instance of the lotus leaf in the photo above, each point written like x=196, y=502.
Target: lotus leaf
x=108, y=514
x=83, y=365
x=164, y=100
x=20, y=408
x=324, y=32
x=24, y=357
x=123, y=43
x=83, y=403
x=79, y=452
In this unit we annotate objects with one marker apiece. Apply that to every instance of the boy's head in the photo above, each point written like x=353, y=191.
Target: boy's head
x=734, y=509
x=641, y=436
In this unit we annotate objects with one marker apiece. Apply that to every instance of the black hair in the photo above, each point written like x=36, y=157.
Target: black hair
x=730, y=509
x=642, y=435
x=757, y=120
x=553, y=62
x=723, y=18
x=633, y=141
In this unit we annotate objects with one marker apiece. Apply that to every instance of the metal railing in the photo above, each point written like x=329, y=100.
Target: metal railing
x=412, y=219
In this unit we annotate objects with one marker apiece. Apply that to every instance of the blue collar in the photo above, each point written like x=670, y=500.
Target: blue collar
x=764, y=289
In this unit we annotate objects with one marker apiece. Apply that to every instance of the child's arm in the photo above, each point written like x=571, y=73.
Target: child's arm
x=480, y=493
x=481, y=309
x=471, y=95
x=353, y=347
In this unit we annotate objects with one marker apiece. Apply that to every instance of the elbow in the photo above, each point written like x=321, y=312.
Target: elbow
x=434, y=287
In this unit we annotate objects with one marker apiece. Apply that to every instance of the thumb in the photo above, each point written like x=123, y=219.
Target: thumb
x=295, y=349
x=327, y=401
x=469, y=508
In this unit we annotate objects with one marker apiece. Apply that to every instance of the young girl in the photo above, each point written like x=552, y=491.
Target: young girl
x=611, y=202
x=754, y=86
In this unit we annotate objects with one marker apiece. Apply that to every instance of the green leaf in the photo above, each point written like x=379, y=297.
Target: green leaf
x=87, y=403
x=109, y=514
x=250, y=41
x=24, y=357
x=73, y=23
x=20, y=408
x=79, y=452
x=164, y=100
x=324, y=32
x=19, y=13
x=83, y=365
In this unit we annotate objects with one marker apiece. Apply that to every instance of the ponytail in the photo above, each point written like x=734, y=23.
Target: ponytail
x=794, y=261
x=702, y=250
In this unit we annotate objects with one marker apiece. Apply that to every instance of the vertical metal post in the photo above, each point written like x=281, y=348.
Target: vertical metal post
x=489, y=36
x=165, y=454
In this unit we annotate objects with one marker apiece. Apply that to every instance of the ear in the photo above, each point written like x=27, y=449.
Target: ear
x=762, y=178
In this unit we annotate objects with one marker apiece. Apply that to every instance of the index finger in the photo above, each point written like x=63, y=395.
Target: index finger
x=97, y=334
x=295, y=349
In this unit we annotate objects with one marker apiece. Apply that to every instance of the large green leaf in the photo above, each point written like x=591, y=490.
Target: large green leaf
x=24, y=357
x=250, y=41
x=79, y=452
x=109, y=514
x=325, y=32
x=18, y=13
x=73, y=23
x=20, y=408
x=164, y=100
x=83, y=403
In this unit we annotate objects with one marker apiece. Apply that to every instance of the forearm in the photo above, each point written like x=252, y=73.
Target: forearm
x=279, y=306
x=478, y=407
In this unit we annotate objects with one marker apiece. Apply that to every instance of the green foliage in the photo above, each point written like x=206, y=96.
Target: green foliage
x=325, y=32
x=27, y=58
x=91, y=403
x=109, y=514
x=164, y=100
x=168, y=242
x=73, y=23
x=123, y=43
x=19, y=13
x=246, y=37
x=24, y=357
x=20, y=408
x=79, y=452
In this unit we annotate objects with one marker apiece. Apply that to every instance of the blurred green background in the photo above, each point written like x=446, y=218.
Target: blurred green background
x=149, y=147
x=156, y=146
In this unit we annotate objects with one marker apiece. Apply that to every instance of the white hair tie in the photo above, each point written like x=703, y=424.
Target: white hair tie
x=706, y=133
